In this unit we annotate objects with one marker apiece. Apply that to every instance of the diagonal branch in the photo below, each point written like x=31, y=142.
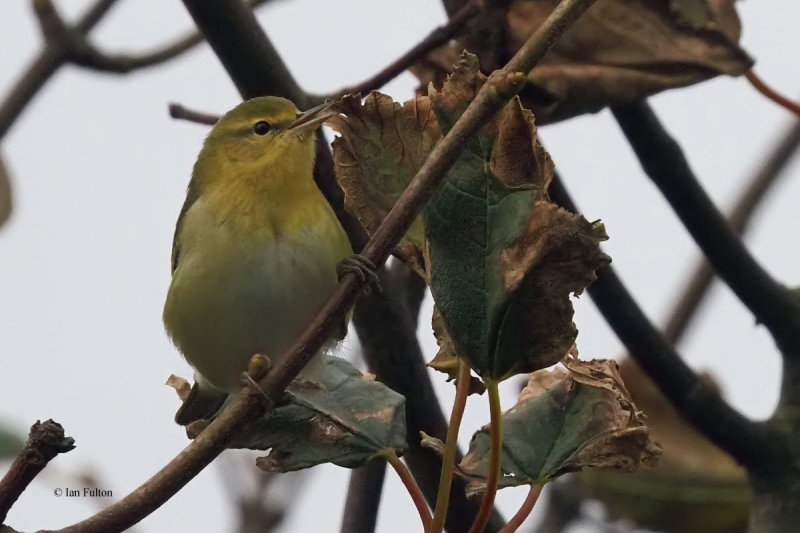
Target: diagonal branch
x=435, y=39
x=663, y=161
x=45, y=441
x=750, y=198
x=750, y=443
x=249, y=405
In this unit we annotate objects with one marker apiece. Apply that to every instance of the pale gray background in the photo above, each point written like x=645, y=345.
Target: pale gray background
x=99, y=172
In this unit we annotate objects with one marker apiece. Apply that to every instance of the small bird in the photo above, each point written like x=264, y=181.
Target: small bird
x=256, y=247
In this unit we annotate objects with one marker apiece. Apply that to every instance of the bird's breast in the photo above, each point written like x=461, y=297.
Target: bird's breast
x=247, y=285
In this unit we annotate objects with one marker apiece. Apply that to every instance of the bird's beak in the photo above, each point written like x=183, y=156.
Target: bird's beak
x=313, y=118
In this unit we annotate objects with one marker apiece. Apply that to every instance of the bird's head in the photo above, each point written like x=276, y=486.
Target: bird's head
x=264, y=130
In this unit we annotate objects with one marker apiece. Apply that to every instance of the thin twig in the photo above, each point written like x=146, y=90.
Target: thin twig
x=524, y=511
x=177, y=111
x=248, y=405
x=663, y=161
x=363, y=497
x=750, y=443
x=451, y=448
x=413, y=489
x=439, y=36
x=495, y=456
x=45, y=441
x=762, y=87
x=749, y=199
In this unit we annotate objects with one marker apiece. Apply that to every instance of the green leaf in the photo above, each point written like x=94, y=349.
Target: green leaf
x=383, y=145
x=564, y=421
x=334, y=415
x=503, y=260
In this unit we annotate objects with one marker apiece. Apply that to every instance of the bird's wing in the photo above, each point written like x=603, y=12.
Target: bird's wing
x=192, y=193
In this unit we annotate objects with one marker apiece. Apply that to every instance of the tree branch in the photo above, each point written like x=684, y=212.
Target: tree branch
x=435, y=39
x=45, y=441
x=6, y=203
x=386, y=326
x=364, y=497
x=750, y=443
x=48, y=61
x=663, y=161
x=178, y=111
x=95, y=59
x=750, y=198
x=248, y=405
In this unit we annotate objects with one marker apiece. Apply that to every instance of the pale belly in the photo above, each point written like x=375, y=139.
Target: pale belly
x=232, y=298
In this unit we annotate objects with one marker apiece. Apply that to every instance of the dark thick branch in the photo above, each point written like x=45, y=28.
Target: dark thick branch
x=750, y=198
x=748, y=442
x=364, y=497
x=45, y=441
x=663, y=161
x=435, y=39
x=247, y=54
x=248, y=405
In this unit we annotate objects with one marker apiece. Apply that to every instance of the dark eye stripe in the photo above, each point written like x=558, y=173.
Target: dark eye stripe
x=261, y=127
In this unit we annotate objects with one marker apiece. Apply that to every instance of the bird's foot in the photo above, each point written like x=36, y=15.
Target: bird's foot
x=257, y=368
x=363, y=268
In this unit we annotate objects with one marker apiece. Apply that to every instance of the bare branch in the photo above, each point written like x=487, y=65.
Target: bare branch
x=45, y=441
x=178, y=111
x=750, y=198
x=663, y=161
x=248, y=405
x=46, y=63
x=364, y=497
x=95, y=59
x=435, y=39
x=751, y=443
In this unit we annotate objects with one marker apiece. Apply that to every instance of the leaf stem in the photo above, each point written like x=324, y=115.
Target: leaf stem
x=772, y=94
x=495, y=454
x=450, y=448
x=412, y=487
x=525, y=510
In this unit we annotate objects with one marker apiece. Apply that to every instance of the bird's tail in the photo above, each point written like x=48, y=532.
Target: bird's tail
x=202, y=402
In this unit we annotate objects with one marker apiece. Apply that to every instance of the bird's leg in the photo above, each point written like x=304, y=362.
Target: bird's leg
x=363, y=268
x=257, y=368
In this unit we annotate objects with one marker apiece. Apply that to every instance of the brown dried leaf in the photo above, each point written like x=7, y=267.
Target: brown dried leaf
x=619, y=51
x=180, y=385
x=382, y=146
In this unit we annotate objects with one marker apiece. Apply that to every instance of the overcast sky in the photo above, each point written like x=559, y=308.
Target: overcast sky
x=99, y=173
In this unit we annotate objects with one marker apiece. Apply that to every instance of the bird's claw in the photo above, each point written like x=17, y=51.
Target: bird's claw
x=361, y=267
x=249, y=382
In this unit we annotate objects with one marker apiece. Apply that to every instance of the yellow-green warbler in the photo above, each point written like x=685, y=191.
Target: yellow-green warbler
x=256, y=247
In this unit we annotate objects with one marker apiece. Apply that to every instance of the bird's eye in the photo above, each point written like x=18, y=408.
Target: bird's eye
x=261, y=127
